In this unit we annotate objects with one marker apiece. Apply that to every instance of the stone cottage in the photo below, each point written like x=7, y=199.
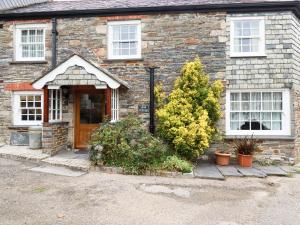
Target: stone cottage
x=66, y=65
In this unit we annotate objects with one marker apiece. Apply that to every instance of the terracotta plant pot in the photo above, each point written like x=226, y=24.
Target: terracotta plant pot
x=245, y=160
x=222, y=159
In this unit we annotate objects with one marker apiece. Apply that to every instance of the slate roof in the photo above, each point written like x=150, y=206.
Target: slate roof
x=53, y=7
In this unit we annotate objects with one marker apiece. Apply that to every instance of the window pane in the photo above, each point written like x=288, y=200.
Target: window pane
x=255, y=106
x=266, y=125
x=245, y=96
x=237, y=45
x=266, y=116
x=277, y=106
x=276, y=116
x=255, y=96
x=267, y=96
x=245, y=125
x=234, y=125
x=276, y=126
x=245, y=106
x=24, y=117
x=235, y=106
x=24, y=34
x=277, y=96
x=267, y=105
x=245, y=116
x=116, y=33
x=32, y=36
x=234, y=116
x=234, y=96
x=255, y=116
x=23, y=104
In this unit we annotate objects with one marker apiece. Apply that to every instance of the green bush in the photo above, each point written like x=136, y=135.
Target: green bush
x=188, y=119
x=173, y=163
x=127, y=144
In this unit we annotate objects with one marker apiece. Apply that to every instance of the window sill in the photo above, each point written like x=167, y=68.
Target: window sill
x=261, y=137
x=29, y=62
x=249, y=56
x=21, y=127
x=121, y=60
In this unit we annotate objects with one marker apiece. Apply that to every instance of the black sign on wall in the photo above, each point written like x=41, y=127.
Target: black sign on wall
x=143, y=108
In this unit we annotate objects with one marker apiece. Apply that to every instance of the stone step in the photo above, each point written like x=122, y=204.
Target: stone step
x=62, y=171
x=229, y=171
x=272, y=170
x=251, y=172
x=208, y=171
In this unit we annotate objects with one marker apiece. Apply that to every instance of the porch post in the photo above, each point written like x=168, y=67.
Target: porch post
x=108, y=101
x=46, y=105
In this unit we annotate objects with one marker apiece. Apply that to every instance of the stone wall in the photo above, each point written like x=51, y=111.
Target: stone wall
x=13, y=72
x=275, y=70
x=168, y=41
x=54, y=137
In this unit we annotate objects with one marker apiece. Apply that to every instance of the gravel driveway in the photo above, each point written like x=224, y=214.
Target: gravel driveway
x=34, y=198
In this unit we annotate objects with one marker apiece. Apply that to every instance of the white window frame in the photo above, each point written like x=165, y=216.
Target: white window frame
x=261, y=47
x=18, y=42
x=58, y=118
x=17, y=121
x=114, y=105
x=286, y=115
x=110, y=39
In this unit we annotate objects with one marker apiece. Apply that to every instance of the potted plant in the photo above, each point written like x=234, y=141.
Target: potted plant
x=245, y=149
x=222, y=155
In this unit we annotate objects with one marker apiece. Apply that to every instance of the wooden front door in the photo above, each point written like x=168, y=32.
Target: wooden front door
x=89, y=113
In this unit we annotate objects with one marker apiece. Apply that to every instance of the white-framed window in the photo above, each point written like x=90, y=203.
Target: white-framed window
x=27, y=108
x=247, y=36
x=258, y=112
x=124, y=39
x=114, y=105
x=30, y=42
x=55, y=105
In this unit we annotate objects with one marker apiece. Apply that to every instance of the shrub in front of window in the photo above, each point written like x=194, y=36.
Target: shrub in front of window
x=188, y=120
x=127, y=144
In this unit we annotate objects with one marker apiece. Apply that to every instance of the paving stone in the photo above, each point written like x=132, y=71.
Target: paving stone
x=297, y=165
x=208, y=171
x=251, y=172
x=272, y=170
x=22, y=152
x=289, y=169
x=62, y=171
x=78, y=164
x=229, y=171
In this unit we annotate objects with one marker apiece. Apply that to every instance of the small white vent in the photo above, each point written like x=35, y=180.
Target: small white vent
x=114, y=105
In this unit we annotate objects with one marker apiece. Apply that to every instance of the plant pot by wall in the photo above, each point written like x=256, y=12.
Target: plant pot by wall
x=222, y=159
x=245, y=160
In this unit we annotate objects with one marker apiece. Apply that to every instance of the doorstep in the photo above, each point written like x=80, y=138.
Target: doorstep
x=68, y=159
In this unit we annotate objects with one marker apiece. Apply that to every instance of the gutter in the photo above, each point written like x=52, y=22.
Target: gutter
x=53, y=42
x=230, y=8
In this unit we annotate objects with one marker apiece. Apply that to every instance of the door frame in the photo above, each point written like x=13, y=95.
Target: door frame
x=76, y=90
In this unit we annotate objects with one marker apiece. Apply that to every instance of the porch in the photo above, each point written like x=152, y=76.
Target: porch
x=78, y=97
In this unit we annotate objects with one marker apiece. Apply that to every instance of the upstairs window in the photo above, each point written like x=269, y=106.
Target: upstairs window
x=258, y=112
x=30, y=42
x=247, y=37
x=124, y=40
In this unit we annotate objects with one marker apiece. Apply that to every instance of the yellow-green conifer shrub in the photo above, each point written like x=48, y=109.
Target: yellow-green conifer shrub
x=188, y=119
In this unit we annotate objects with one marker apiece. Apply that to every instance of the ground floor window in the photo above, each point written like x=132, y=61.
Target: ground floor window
x=258, y=112
x=55, y=105
x=115, y=105
x=27, y=108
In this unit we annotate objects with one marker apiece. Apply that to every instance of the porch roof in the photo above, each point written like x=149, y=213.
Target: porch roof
x=85, y=74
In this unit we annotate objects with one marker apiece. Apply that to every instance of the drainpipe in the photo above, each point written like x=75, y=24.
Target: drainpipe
x=152, y=97
x=54, y=37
